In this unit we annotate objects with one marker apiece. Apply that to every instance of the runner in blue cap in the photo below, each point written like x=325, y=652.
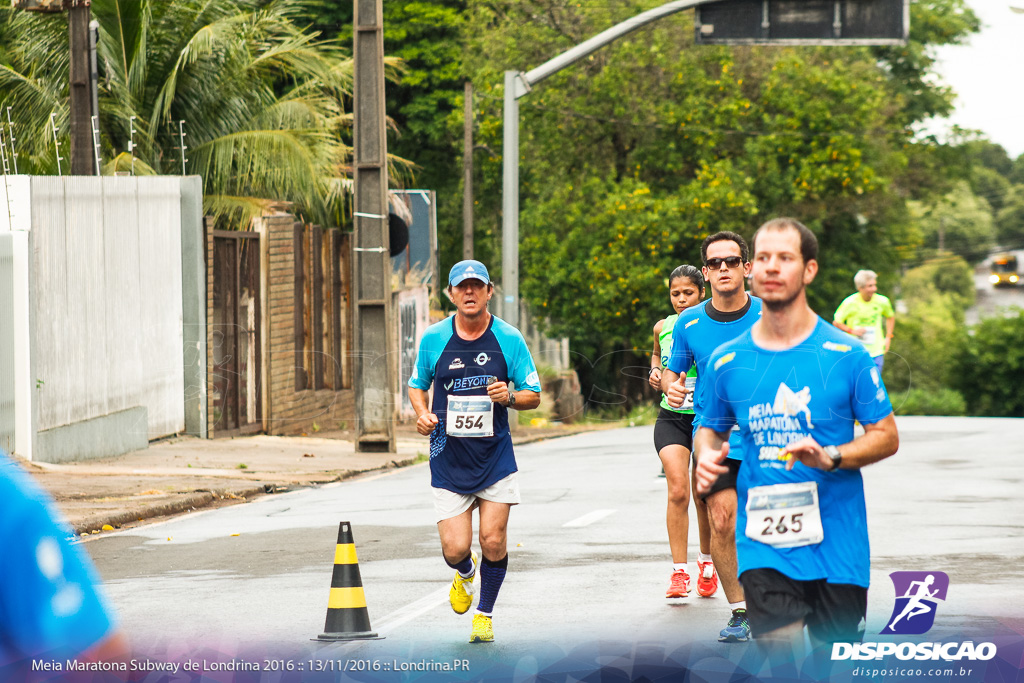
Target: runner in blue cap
x=472, y=358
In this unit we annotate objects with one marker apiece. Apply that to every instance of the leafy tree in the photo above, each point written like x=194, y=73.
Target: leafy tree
x=262, y=99
x=1016, y=175
x=961, y=223
x=987, y=154
x=910, y=66
x=919, y=367
x=1010, y=220
x=991, y=367
x=991, y=186
x=688, y=141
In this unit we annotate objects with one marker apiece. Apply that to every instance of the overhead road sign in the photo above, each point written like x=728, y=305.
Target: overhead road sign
x=803, y=22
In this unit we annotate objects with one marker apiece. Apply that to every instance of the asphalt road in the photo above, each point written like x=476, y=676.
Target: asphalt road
x=588, y=561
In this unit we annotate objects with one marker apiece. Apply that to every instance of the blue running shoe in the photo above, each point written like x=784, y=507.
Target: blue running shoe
x=737, y=630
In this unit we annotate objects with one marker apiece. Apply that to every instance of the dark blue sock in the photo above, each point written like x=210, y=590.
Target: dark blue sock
x=491, y=576
x=464, y=566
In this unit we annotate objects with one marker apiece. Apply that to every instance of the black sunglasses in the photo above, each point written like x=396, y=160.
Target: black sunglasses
x=731, y=261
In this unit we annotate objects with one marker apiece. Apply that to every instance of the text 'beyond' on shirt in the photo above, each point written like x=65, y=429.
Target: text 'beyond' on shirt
x=459, y=368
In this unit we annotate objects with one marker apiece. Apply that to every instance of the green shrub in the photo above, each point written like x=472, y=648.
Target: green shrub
x=929, y=402
x=932, y=331
x=990, y=367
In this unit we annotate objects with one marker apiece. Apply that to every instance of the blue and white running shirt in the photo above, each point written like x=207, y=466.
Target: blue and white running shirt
x=698, y=332
x=459, y=369
x=818, y=389
x=49, y=600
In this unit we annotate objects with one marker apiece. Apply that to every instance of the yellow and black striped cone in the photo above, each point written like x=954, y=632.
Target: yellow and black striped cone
x=347, y=618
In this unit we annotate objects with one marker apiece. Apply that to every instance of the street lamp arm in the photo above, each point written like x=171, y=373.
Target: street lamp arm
x=587, y=47
x=518, y=84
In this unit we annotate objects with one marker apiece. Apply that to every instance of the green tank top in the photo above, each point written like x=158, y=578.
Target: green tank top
x=665, y=343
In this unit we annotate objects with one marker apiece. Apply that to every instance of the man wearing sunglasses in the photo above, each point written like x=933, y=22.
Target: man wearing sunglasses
x=697, y=333
x=795, y=386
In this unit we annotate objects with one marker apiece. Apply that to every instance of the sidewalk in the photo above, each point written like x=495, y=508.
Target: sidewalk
x=177, y=475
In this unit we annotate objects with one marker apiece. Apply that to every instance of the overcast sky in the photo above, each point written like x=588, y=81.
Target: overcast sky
x=988, y=76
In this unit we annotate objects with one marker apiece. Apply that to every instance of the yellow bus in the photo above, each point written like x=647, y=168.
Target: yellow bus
x=1004, y=270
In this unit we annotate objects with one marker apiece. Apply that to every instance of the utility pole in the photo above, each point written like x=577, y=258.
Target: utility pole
x=80, y=76
x=82, y=150
x=467, y=174
x=376, y=368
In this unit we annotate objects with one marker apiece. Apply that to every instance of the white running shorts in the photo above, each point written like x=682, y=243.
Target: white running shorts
x=448, y=504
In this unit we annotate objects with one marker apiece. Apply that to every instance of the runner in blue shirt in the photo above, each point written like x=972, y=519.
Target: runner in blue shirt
x=795, y=385
x=697, y=333
x=471, y=358
x=50, y=603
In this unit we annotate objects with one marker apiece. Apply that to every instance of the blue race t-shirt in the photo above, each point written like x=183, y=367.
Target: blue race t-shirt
x=459, y=368
x=697, y=333
x=49, y=601
x=818, y=389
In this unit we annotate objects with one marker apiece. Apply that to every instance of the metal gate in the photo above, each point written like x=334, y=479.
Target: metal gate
x=236, y=393
x=6, y=343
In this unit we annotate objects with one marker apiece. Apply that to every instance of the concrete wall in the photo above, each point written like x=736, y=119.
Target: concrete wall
x=193, y=296
x=104, y=292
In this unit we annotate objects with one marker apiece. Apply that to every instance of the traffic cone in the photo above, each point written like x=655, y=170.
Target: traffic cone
x=347, y=618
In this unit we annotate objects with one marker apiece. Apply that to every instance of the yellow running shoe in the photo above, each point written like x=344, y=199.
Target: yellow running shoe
x=483, y=631
x=461, y=593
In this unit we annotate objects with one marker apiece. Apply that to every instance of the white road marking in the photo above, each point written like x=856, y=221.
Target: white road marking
x=589, y=518
x=390, y=622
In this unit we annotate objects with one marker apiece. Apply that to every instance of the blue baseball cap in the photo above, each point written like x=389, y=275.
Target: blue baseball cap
x=464, y=270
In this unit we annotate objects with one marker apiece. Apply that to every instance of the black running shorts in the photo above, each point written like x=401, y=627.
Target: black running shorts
x=727, y=480
x=833, y=612
x=673, y=429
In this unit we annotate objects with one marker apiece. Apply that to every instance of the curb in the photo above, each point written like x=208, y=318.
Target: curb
x=191, y=502
x=202, y=499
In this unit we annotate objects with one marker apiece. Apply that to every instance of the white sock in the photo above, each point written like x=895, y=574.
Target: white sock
x=701, y=557
x=486, y=614
x=742, y=604
x=676, y=566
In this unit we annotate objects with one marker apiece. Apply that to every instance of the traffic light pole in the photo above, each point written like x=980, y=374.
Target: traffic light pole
x=518, y=84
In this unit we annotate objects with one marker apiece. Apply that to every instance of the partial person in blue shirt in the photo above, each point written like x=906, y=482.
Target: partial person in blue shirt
x=51, y=606
x=795, y=386
x=473, y=359
x=697, y=333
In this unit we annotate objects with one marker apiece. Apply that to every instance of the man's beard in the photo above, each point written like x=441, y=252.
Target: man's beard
x=779, y=305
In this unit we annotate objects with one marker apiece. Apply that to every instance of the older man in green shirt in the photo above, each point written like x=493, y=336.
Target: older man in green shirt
x=862, y=315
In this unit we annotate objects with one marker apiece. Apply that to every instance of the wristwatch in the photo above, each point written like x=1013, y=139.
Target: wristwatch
x=511, y=399
x=837, y=457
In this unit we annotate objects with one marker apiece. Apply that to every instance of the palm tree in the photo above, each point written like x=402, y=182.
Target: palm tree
x=262, y=99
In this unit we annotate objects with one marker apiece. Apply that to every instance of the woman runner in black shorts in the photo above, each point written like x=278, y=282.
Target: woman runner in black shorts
x=673, y=438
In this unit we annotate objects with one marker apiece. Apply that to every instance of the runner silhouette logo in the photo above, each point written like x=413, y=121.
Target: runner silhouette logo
x=917, y=596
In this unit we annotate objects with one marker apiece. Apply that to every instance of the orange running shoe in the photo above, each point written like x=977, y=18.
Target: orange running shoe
x=680, y=586
x=707, y=579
